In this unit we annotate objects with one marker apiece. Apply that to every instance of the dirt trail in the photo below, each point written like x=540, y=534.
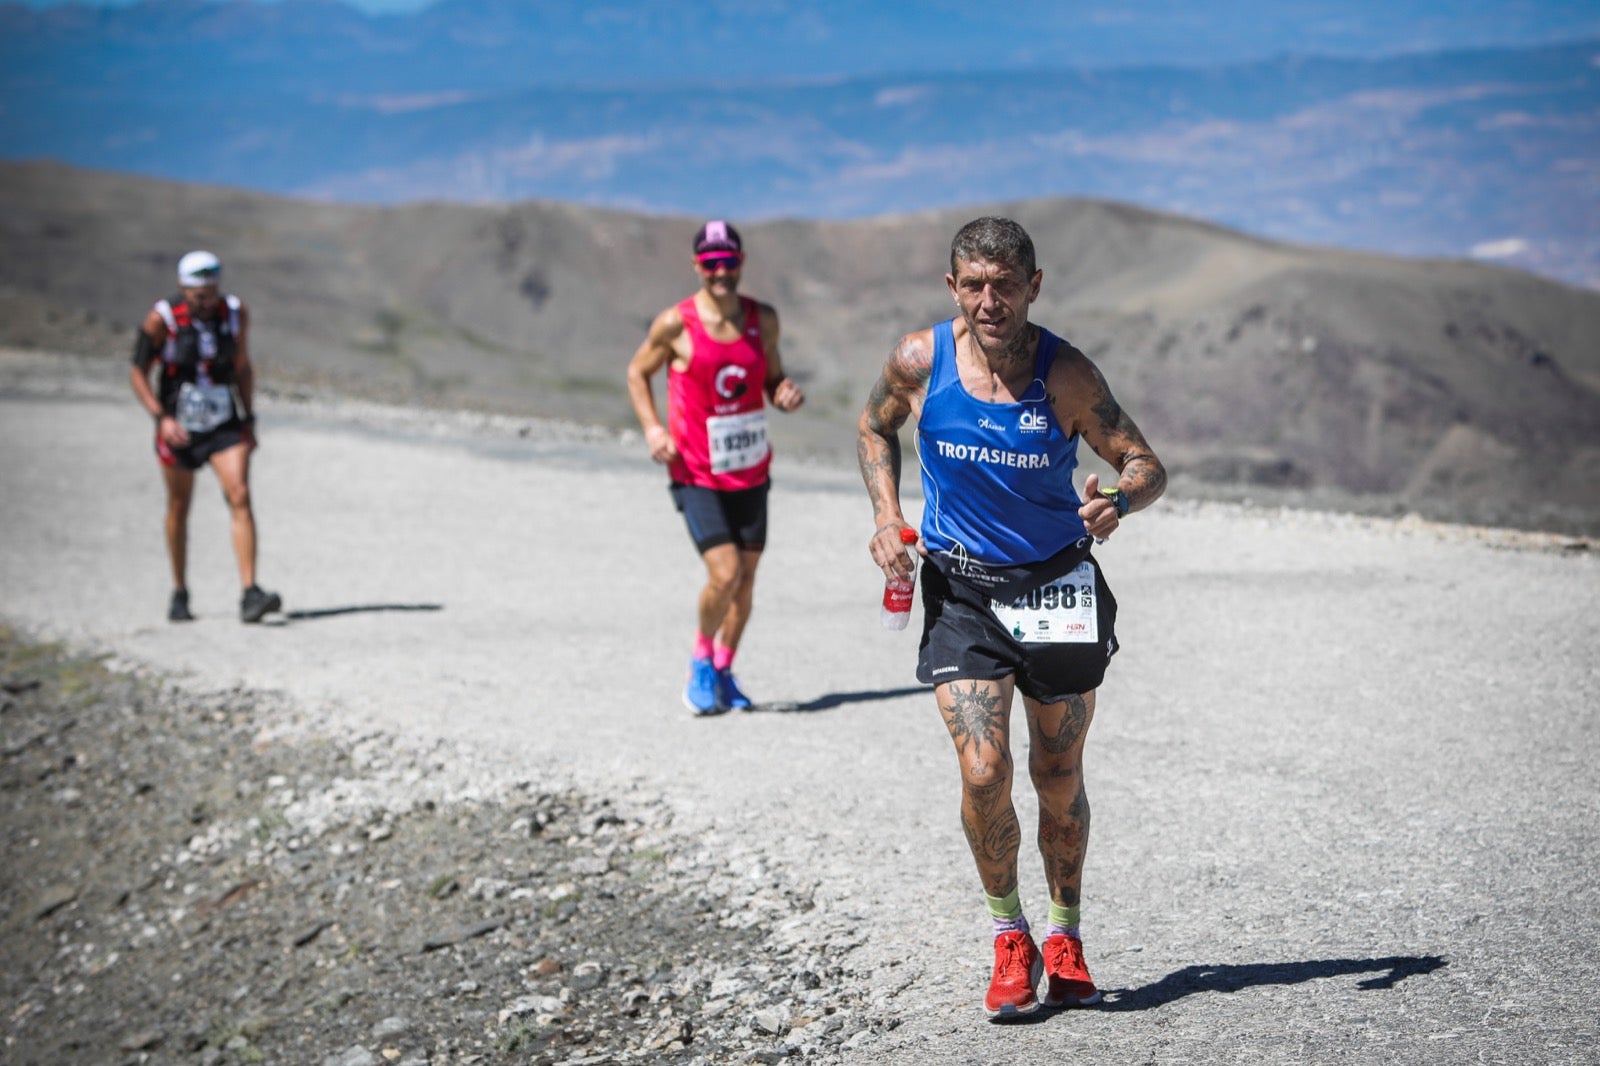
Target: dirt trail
x=1341, y=771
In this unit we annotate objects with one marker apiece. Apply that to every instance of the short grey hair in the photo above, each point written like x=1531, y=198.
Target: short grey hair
x=998, y=240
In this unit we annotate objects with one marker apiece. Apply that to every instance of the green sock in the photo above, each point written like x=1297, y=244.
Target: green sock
x=1006, y=913
x=1005, y=907
x=1062, y=919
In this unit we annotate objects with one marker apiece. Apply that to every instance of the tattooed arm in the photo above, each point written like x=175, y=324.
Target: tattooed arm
x=895, y=397
x=1083, y=402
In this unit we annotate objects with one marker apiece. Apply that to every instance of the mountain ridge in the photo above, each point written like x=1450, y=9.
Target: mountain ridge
x=1480, y=151
x=1250, y=363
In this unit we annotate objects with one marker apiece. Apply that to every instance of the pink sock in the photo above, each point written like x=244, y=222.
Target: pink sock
x=702, y=646
x=722, y=656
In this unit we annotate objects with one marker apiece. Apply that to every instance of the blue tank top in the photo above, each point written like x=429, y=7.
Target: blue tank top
x=997, y=477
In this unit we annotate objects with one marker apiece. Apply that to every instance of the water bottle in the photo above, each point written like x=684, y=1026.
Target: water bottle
x=897, y=591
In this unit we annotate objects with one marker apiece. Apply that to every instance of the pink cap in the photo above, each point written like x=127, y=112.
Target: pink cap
x=717, y=236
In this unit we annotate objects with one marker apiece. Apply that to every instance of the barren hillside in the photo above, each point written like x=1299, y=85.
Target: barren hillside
x=1435, y=385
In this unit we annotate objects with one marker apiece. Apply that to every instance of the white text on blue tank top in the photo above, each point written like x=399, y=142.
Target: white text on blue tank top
x=1033, y=421
x=977, y=453
x=1030, y=422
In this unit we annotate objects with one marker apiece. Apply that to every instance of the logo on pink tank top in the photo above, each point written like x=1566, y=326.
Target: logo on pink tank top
x=730, y=382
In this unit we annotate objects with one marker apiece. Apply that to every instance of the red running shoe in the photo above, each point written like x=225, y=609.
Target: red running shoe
x=1067, y=980
x=1017, y=966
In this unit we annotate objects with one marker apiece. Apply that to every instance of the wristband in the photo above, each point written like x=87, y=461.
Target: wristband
x=1118, y=500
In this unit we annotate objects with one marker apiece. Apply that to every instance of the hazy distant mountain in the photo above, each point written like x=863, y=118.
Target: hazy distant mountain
x=838, y=109
x=1453, y=388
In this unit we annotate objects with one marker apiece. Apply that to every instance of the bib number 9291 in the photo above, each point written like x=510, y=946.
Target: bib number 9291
x=737, y=442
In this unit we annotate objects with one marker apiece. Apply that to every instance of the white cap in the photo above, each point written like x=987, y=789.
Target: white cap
x=199, y=268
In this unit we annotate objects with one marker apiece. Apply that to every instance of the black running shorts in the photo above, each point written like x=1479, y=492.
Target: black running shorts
x=962, y=640
x=716, y=518
x=201, y=447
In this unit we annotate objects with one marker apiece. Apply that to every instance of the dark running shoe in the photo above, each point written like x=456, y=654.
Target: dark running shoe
x=729, y=694
x=256, y=604
x=178, y=611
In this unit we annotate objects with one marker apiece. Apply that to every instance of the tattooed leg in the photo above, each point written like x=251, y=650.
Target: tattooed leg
x=1055, y=763
x=978, y=716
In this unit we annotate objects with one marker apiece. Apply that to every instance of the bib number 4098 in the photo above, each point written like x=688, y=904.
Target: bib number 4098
x=1053, y=597
x=1061, y=612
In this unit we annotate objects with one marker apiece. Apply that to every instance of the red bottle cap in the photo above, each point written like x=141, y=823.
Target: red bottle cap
x=908, y=536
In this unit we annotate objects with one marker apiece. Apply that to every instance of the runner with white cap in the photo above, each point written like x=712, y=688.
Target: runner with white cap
x=721, y=354
x=200, y=400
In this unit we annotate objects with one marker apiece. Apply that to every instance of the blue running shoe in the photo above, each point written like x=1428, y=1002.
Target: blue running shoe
x=728, y=692
x=700, y=694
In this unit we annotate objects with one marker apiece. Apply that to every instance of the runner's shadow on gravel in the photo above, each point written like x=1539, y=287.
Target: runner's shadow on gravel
x=839, y=699
x=1190, y=980
x=334, y=612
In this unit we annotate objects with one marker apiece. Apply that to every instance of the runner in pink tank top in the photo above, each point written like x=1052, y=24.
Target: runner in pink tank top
x=720, y=351
x=715, y=407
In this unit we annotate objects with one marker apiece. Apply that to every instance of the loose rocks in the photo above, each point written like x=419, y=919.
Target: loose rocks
x=196, y=877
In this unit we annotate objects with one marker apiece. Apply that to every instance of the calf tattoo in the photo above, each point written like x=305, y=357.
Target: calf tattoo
x=994, y=843
x=1064, y=842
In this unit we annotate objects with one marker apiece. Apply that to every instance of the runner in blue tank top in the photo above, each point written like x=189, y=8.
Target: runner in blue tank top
x=1012, y=598
x=981, y=459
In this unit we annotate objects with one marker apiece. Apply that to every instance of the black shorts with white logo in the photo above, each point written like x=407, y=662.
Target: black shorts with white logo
x=716, y=517
x=962, y=640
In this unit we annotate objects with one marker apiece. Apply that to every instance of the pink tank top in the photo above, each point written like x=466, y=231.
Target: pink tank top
x=716, y=410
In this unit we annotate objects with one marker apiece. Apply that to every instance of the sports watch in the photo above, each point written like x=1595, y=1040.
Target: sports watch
x=1118, y=500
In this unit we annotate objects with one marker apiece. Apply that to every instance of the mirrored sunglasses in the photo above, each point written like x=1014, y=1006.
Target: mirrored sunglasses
x=711, y=262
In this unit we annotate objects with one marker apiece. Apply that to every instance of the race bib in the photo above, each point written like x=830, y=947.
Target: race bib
x=1060, y=612
x=737, y=442
x=202, y=408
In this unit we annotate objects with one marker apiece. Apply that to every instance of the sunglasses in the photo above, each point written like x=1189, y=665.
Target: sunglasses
x=711, y=262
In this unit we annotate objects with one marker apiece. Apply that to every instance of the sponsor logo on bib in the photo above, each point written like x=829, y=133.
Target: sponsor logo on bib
x=1033, y=421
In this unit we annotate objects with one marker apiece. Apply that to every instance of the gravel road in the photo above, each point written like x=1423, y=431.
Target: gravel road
x=1338, y=769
